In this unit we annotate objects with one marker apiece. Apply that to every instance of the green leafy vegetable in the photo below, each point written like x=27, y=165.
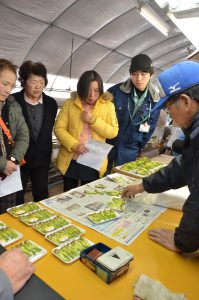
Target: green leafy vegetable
x=113, y=193
x=72, y=251
x=142, y=166
x=100, y=186
x=29, y=248
x=52, y=224
x=117, y=203
x=64, y=234
x=102, y=216
x=7, y=234
x=36, y=216
x=25, y=208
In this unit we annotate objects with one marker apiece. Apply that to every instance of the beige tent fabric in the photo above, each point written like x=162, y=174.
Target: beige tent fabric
x=107, y=34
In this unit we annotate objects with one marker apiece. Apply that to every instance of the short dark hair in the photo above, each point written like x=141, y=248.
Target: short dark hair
x=6, y=64
x=28, y=68
x=192, y=92
x=84, y=83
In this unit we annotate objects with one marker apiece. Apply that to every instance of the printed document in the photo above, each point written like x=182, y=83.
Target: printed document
x=11, y=184
x=96, y=154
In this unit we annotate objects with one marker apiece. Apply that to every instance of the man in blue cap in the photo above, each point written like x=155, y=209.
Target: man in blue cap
x=179, y=95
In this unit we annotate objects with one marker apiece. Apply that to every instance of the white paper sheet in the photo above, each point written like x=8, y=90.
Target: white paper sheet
x=96, y=154
x=11, y=184
x=170, y=199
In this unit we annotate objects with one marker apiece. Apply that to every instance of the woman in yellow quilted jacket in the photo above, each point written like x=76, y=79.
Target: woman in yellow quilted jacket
x=88, y=114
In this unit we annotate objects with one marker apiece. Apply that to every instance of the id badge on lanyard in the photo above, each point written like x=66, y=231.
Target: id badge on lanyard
x=144, y=127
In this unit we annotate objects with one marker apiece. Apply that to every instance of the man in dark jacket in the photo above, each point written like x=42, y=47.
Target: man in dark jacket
x=39, y=111
x=179, y=86
x=134, y=101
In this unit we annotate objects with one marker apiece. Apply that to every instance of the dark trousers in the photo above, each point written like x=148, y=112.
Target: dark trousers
x=112, y=157
x=7, y=201
x=39, y=179
x=71, y=183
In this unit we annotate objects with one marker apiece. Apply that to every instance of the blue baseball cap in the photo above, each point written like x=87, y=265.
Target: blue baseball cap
x=176, y=79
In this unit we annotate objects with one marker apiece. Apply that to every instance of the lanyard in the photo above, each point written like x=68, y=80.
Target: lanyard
x=143, y=118
x=6, y=131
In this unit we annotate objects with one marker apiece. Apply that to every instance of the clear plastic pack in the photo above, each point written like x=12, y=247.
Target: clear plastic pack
x=21, y=209
x=70, y=251
x=64, y=234
x=9, y=235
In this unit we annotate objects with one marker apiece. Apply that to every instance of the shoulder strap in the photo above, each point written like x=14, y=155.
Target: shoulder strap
x=8, y=134
x=6, y=131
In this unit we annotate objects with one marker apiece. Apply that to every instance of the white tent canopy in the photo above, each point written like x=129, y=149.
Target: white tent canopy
x=106, y=34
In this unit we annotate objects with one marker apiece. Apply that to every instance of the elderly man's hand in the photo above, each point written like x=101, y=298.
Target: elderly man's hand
x=164, y=237
x=132, y=190
x=17, y=267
